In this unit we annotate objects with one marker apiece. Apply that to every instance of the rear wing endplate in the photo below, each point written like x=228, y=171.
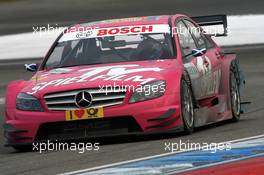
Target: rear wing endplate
x=212, y=20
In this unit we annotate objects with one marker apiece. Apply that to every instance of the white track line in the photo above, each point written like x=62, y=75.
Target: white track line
x=243, y=30
x=2, y=101
x=149, y=157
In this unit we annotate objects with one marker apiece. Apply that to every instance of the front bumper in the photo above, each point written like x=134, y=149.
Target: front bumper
x=155, y=115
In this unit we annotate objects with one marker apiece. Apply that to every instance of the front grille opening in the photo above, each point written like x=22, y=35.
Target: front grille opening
x=61, y=101
x=87, y=128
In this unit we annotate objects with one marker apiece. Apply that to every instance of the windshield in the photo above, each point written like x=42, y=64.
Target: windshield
x=109, y=49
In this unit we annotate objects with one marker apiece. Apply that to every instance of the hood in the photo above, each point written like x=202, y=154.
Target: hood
x=97, y=76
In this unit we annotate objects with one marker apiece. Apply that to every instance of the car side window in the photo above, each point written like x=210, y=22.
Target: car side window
x=201, y=39
x=186, y=40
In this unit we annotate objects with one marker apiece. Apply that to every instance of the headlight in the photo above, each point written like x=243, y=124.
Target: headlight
x=26, y=102
x=148, y=91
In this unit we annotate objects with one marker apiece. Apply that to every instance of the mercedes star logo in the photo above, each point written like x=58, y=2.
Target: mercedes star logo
x=83, y=99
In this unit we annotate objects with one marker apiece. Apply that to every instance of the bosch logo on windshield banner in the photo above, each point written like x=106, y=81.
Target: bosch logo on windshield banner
x=79, y=32
x=125, y=30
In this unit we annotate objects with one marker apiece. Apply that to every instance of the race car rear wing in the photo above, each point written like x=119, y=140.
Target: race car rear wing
x=213, y=20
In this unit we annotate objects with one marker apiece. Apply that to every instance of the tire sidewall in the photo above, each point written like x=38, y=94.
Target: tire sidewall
x=187, y=128
x=235, y=116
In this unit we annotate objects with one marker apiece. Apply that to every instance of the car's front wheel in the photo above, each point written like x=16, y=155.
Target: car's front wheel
x=187, y=109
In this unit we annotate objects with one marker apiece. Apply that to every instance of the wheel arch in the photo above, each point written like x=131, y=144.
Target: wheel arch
x=230, y=62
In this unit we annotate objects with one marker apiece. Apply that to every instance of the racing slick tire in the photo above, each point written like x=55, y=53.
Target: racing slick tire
x=187, y=107
x=234, y=95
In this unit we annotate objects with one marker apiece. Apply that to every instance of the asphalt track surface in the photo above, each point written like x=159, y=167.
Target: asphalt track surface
x=126, y=148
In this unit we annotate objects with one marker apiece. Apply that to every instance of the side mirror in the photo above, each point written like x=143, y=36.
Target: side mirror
x=33, y=67
x=198, y=52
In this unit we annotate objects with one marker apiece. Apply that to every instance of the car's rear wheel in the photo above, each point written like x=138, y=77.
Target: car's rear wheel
x=187, y=109
x=234, y=97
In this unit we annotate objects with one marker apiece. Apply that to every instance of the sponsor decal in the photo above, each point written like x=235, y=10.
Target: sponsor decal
x=81, y=114
x=88, y=32
x=204, y=65
x=84, y=34
x=125, y=30
x=107, y=73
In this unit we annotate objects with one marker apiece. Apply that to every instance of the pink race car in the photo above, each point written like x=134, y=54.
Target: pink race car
x=125, y=76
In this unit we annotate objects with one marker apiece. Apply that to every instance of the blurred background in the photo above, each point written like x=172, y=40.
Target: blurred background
x=17, y=16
